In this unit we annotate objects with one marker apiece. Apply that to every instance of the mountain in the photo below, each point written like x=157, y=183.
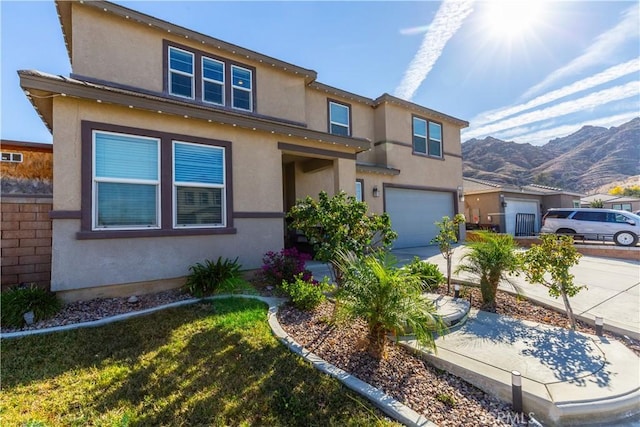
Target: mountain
x=591, y=157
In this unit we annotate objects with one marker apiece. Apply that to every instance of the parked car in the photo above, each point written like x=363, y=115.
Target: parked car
x=594, y=224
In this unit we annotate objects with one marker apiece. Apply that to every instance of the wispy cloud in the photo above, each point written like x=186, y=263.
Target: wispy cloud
x=540, y=137
x=587, y=102
x=605, y=76
x=446, y=23
x=598, y=52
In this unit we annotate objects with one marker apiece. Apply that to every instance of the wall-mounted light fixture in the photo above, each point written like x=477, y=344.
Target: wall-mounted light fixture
x=376, y=192
x=502, y=202
x=460, y=193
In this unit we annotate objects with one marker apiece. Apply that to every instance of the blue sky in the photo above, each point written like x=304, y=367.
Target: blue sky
x=522, y=71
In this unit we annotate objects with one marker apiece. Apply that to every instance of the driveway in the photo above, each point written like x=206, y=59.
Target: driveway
x=613, y=287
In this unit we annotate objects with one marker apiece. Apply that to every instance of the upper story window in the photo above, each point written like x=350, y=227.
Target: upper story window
x=197, y=75
x=181, y=73
x=427, y=137
x=212, y=81
x=339, y=118
x=241, y=90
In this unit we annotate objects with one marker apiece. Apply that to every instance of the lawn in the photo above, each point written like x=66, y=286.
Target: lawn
x=213, y=363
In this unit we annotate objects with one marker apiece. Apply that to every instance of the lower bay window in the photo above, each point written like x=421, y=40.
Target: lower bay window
x=143, y=183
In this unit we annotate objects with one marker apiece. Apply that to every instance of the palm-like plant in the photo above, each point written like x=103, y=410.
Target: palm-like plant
x=491, y=258
x=389, y=299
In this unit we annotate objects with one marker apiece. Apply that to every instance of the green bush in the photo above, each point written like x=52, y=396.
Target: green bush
x=15, y=302
x=306, y=295
x=209, y=277
x=428, y=273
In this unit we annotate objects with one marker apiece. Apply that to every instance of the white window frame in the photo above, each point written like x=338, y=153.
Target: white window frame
x=95, y=180
x=359, y=184
x=429, y=139
x=332, y=122
x=13, y=157
x=234, y=86
x=175, y=186
x=425, y=136
x=204, y=79
x=171, y=70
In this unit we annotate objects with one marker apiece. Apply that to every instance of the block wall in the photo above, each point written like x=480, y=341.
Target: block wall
x=26, y=241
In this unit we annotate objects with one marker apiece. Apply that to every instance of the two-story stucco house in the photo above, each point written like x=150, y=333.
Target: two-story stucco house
x=171, y=146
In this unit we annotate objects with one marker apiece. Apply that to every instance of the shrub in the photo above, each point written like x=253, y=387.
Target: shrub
x=491, y=258
x=340, y=224
x=387, y=298
x=284, y=266
x=428, y=273
x=15, y=302
x=206, y=278
x=306, y=295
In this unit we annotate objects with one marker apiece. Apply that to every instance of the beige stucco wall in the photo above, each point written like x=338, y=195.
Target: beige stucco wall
x=558, y=201
x=111, y=48
x=257, y=187
x=487, y=204
x=121, y=261
x=362, y=115
x=255, y=179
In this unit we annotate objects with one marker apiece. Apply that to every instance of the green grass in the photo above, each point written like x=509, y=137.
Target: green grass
x=213, y=363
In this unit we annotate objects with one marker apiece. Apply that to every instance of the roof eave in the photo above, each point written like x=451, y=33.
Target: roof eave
x=59, y=87
x=386, y=98
x=176, y=30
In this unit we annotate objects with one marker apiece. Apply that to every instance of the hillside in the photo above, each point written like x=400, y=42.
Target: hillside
x=589, y=158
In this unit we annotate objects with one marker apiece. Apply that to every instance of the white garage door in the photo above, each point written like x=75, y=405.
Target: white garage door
x=520, y=206
x=413, y=213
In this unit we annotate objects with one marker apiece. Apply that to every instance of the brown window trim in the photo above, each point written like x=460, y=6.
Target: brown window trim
x=413, y=149
x=335, y=101
x=197, y=76
x=166, y=184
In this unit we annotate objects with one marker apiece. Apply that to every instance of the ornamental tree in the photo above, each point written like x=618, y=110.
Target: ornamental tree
x=548, y=264
x=340, y=224
x=446, y=238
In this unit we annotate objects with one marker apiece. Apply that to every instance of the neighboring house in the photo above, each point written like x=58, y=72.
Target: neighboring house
x=26, y=173
x=172, y=146
x=623, y=203
x=512, y=209
x=26, y=167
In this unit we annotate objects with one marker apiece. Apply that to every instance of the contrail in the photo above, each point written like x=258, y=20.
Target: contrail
x=605, y=76
x=446, y=23
x=592, y=100
x=598, y=52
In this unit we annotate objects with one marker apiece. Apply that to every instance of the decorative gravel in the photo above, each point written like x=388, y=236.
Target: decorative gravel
x=442, y=397
x=99, y=308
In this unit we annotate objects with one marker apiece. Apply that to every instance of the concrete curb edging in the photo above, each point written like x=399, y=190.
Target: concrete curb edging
x=382, y=401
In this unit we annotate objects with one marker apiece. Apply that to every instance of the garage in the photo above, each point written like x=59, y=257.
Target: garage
x=521, y=217
x=413, y=213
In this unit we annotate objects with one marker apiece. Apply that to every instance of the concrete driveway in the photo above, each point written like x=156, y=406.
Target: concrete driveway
x=613, y=287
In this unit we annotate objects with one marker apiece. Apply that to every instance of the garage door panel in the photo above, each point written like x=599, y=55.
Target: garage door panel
x=413, y=213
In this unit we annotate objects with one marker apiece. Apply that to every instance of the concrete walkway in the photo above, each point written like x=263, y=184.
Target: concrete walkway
x=569, y=378
x=613, y=287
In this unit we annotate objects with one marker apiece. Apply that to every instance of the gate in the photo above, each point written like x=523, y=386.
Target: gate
x=525, y=224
